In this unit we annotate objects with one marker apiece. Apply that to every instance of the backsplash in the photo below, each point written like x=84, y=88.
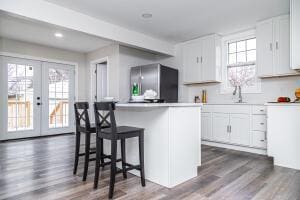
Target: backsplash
x=271, y=89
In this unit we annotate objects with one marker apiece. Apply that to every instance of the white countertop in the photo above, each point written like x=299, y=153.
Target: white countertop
x=282, y=104
x=151, y=105
x=239, y=104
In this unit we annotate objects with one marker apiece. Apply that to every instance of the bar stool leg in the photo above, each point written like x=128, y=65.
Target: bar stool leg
x=123, y=154
x=77, y=149
x=141, y=155
x=98, y=159
x=112, y=168
x=101, y=151
x=87, y=155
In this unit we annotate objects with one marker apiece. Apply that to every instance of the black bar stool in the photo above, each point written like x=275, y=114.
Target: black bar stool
x=104, y=114
x=83, y=125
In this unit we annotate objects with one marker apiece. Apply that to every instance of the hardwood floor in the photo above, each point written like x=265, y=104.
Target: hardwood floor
x=42, y=169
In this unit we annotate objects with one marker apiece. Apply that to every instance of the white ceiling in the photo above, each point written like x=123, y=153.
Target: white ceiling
x=180, y=20
x=41, y=33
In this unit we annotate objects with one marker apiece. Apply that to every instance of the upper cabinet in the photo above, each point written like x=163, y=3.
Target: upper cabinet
x=273, y=47
x=202, y=60
x=295, y=34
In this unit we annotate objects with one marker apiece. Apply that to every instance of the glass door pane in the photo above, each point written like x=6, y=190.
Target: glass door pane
x=58, y=98
x=20, y=97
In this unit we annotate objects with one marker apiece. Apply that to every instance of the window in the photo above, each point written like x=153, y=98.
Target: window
x=239, y=63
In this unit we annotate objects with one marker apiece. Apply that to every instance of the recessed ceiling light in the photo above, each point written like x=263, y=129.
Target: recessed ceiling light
x=58, y=35
x=147, y=15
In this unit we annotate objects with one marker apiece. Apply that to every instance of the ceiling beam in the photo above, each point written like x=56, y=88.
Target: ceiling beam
x=51, y=13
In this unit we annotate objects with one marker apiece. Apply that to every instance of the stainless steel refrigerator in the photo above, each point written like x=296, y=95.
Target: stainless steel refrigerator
x=161, y=79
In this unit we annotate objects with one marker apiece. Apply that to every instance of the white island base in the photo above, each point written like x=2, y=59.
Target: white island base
x=172, y=140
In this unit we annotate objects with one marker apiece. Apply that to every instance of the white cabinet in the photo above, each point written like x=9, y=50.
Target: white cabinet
x=259, y=139
x=264, y=40
x=273, y=47
x=239, y=129
x=202, y=60
x=206, y=126
x=295, y=34
x=191, y=59
x=235, y=125
x=221, y=127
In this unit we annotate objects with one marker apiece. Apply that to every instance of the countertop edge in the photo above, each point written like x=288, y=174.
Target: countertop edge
x=153, y=105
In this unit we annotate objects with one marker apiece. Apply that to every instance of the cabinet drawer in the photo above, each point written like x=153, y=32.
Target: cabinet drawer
x=259, y=123
x=259, y=139
x=259, y=110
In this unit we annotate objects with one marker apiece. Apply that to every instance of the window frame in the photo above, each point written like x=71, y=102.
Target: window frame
x=225, y=89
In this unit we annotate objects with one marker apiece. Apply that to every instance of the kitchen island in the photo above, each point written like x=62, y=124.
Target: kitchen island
x=283, y=134
x=172, y=139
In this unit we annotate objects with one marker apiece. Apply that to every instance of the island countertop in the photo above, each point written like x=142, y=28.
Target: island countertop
x=150, y=105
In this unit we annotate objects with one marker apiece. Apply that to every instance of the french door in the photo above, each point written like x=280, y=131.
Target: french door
x=37, y=98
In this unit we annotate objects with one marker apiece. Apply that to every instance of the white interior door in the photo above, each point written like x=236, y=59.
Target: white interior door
x=101, y=81
x=58, y=98
x=21, y=95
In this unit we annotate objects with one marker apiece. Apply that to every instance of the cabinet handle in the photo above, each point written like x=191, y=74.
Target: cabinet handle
x=197, y=60
x=261, y=110
x=277, y=45
x=262, y=123
x=262, y=140
x=230, y=128
x=271, y=47
x=266, y=136
x=201, y=59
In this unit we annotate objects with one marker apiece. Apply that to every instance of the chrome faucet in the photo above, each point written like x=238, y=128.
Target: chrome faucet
x=240, y=93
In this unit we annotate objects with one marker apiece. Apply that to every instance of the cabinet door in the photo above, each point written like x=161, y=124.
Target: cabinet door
x=295, y=40
x=208, y=59
x=220, y=127
x=191, y=62
x=240, y=129
x=206, y=126
x=282, y=46
x=264, y=34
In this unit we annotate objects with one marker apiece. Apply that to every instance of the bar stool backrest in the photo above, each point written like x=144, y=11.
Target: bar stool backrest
x=82, y=115
x=105, y=117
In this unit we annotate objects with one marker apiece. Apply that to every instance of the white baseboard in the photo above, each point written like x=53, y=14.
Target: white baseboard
x=235, y=147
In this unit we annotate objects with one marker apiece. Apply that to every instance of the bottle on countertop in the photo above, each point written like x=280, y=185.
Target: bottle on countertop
x=135, y=89
x=204, y=96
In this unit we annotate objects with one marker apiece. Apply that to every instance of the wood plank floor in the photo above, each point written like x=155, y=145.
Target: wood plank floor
x=42, y=169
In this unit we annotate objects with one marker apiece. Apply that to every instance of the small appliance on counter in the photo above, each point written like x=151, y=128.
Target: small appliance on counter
x=297, y=94
x=155, y=82
x=283, y=100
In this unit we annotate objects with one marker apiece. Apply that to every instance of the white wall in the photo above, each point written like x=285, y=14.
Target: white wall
x=130, y=57
x=112, y=54
x=39, y=51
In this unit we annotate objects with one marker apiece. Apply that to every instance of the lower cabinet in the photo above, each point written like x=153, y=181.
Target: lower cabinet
x=221, y=127
x=240, y=129
x=206, y=126
x=242, y=126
